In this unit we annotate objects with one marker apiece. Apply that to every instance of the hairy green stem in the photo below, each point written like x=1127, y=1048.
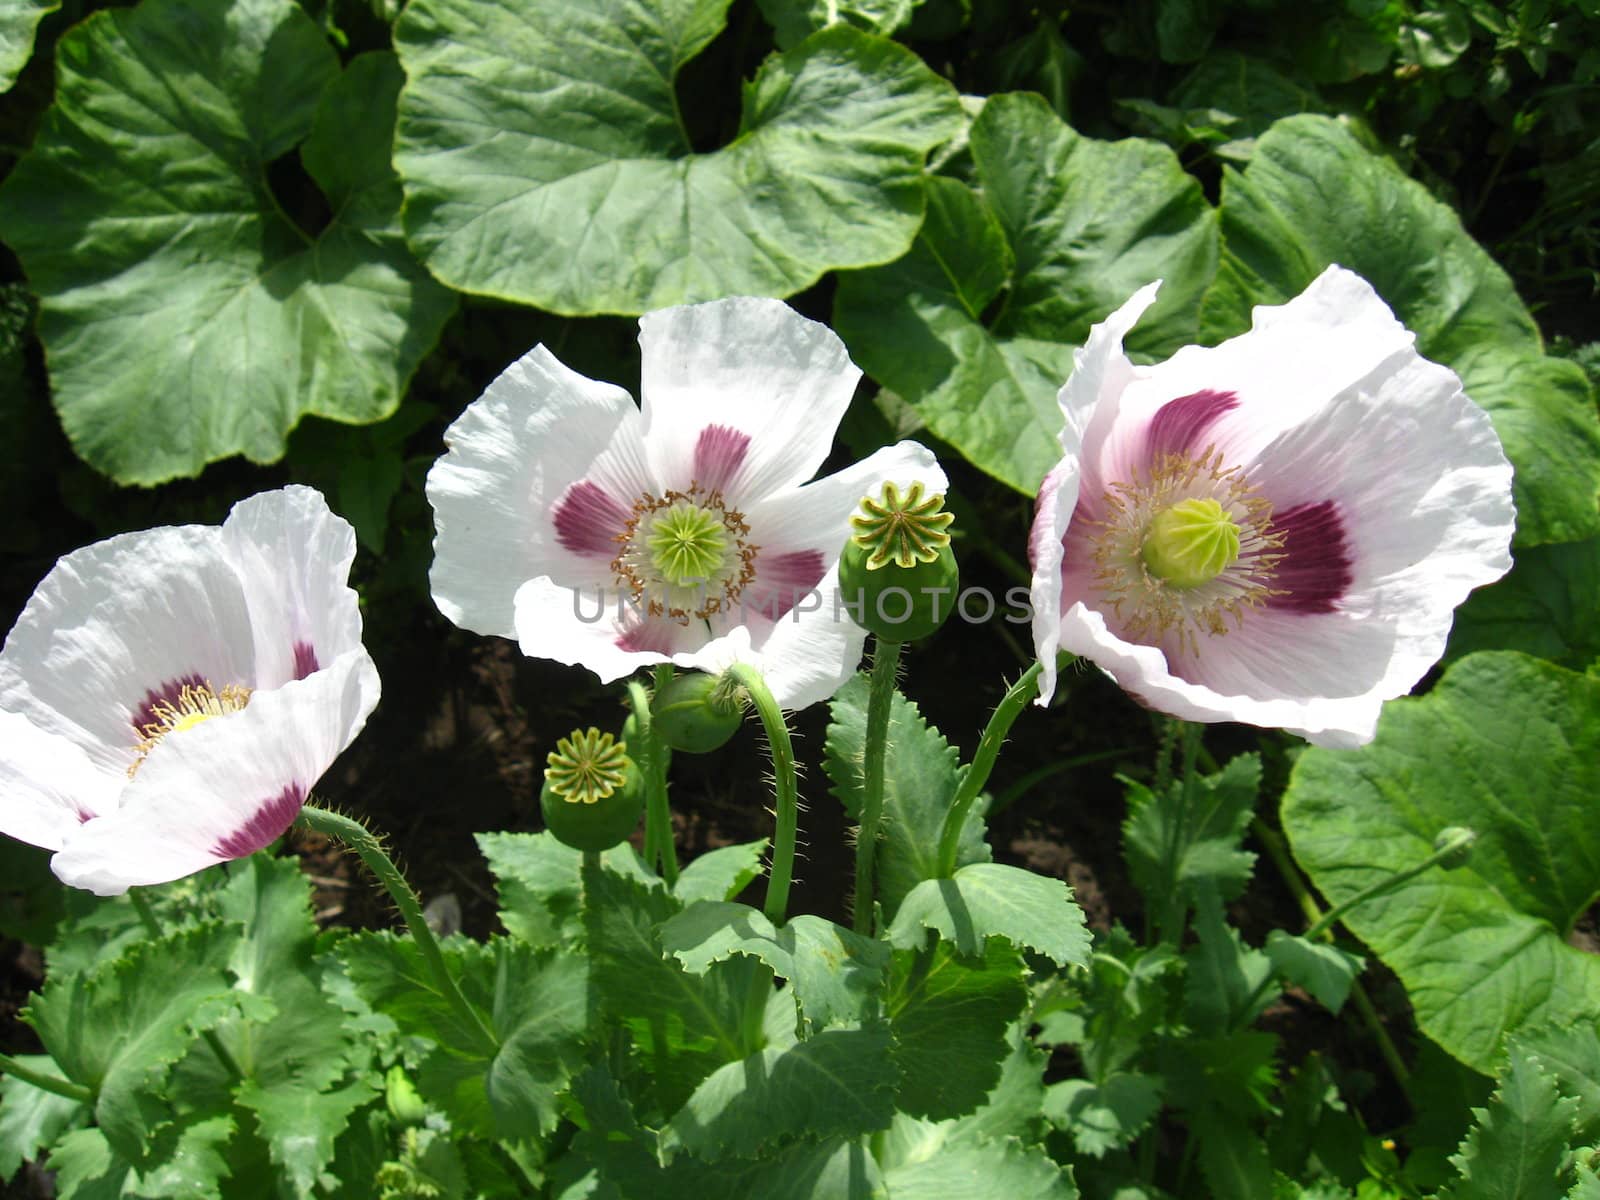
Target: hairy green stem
x=785, y=793
x=362, y=840
x=660, y=851
x=1279, y=853
x=977, y=772
x=885, y=660
x=45, y=1083
x=152, y=926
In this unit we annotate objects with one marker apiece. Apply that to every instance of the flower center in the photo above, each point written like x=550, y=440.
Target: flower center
x=1185, y=548
x=587, y=767
x=688, y=543
x=905, y=530
x=194, y=705
x=684, y=554
x=1191, y=543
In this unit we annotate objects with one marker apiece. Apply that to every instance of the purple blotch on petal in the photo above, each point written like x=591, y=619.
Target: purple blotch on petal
x=1316, y=569
x=782, y=581
x=588, y=520
x=718, y=454
x=144, y=713
x=1180, y=426
x=305, y=660
x=265, y=825
x=652, y=636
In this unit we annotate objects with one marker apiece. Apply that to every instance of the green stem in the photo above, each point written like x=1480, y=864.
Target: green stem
x=362, y=840
x=660, y=850
x=1459, y=842
x=147, y=917
x=785, y=793
x=45, y=1083
x=977, y=772
x=885, y=660
x=1279, y=853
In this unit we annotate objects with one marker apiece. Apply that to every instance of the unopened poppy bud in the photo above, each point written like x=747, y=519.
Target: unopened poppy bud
x=897, y=575
x=1458, y=841
x=696, y=713
x=401, y=1098
x=592, y=794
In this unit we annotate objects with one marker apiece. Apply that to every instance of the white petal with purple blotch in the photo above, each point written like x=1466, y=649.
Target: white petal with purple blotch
x=744, y=394
x=121, y=624
x=539, y=431
x=49, y=785
x=597, y=627
x=225, y=787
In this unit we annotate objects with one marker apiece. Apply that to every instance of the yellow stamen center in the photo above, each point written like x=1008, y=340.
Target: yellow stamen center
x=195, y=704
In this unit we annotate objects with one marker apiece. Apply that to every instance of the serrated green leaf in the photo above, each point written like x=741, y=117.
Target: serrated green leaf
x=541, y=893
x=1282, y=224
x=589, y=197
x=950, y=1018
x=1586, y=1184
x=1106, y=1116
x=837, y=976
x=972, y=1169
x=1061, y=230
x=1223, y=987
x=185, y=317
x=1233, y=1075
x=720, y=874
x=1515, y=1150
x=1571, y=1056
x=1323, y=970
x=535, y=1002
x=838, y=1083
x=919, y=782
x=31, y=1119
x=1190, y=839
x=19, y=20
x=984, y=900
x=688, y=1024
x=1545, y=607
x=186, y=1163
x=1233, y=1156
x=300, y=1127
x=119, y=1028
x=1508, y=746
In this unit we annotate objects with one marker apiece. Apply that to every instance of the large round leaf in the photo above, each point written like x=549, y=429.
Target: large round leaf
x=1508, y=746
x=545, y=159
x=19, y=20
x=977, y=324
x=1313, y=195
x=185, y=317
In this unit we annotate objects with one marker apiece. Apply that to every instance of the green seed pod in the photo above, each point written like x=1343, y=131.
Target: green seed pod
x=695, y=713
x=592, y=794
x=897, y=574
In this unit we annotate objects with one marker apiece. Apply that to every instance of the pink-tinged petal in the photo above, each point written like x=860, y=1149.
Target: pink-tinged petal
x=817, y=516
x=1093, y=395
x=1052, y=514
x=751, y=367
x=1314, y=572
x=113, y=622
x=719, y=453
x=1183, y=426
x=804, y=658
x=782, y=581
x=222, y=785
x=293, y=556
x=597, y=628
x=588, y=521
x=513, y=455
x=49, y=785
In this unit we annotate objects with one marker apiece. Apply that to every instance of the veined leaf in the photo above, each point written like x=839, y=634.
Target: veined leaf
x=984, y=900
x=19, y=20
x=1515, y=1150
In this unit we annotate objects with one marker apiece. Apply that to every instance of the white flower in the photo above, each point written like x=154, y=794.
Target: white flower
x=600, y=535
x=1273, y=530
x=168, y=698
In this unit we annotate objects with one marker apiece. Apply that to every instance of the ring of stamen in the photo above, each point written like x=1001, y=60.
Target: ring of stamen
x=195, y=704
x=1150, y=606
x=684, y=555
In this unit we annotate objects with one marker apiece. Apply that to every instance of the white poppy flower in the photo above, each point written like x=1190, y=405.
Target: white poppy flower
x=168, y=698
x=1273, y=530
x=600, y=535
